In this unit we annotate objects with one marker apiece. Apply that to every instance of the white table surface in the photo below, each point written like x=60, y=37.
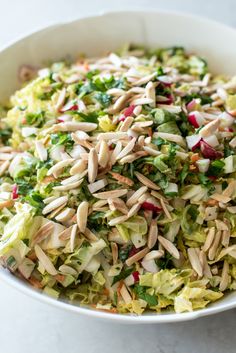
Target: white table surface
x=27, y=326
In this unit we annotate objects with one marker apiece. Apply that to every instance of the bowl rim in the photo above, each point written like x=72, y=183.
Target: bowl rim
x=21, y=286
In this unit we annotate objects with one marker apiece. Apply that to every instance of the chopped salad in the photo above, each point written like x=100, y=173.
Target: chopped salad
x=117, y=181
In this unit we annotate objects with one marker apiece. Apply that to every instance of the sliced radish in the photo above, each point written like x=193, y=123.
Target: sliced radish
x=208, y=151
x=135, y=275
x=70, y=106
x=63, y=118
x=212, y=140
x=127, y=112
x=151, y=207
x=203, y=165
x=192, y=105
x=15, y=194
x=193, y=141
x=196, y=119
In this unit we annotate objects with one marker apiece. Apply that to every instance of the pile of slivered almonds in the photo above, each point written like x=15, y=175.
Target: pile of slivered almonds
x=148, y=154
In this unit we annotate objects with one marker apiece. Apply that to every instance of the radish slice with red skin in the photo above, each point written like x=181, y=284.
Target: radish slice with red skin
x=69, y=107
x=208, y=151
x=151, y=207
x=127, y=112
x=191, y=105
x=193, y=141
x=15, y=194
x=196, y=119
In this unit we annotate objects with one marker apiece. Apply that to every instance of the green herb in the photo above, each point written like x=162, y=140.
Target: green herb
x=104, y=99
x=23, y=186
x=122, y=275
x=141, y=293
x=36, y=119
x=216, y=168
x=5, y=134
x=124, y=252
x=64, y=139
x=184, y=173
x=90, y=117
x=164, y=262
x=35, y=200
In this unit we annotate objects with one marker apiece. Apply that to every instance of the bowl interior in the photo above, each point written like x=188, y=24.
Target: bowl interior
x=111, y=31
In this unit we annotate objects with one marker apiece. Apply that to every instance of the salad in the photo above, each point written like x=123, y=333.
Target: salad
x=117, y=181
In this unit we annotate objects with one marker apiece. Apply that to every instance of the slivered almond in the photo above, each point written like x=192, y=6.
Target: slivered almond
x=165, y=209
x=41, y=150
x=73, y=126
x=134, y=209
x=49, y=199
x=117, y=220
x=6, y=156
x=230, y=189
x=154, y=254
x=97, y=185
x=214, y=246
x=42, y=233
x=114, y=251
x=55, y=204
x=56, y=211
x=61, y=99
x=120, y=103
x=209, y=239
x=81, y=142
x=141, y=124
x=152, y=234
x=115, y=152
x=67, y=187
x=232, y=209
x=65, y=234
x=210, y=128
x=138, y=256
x=67, y=270
x=144, y=80
x=118, y=204
x=125, y=294
x=100, y=203
x=145, y=181
x=195, y=262
x=220, y=225
x=136, y=196
x=205, y=267
x=142, y=101
x=112, y=136
x=82, y=215
x=126, y=124
x=104, y=154
x=132, y=157
x=92, y=165
x=90, y=235
x=45, y=261
x=127, y=149
x=73, y=237
x=3, y=167
x=58, y=167
x=65, y=215
x=78, y=167
x=122, y=179
x=170, y=247
x=220, y=198
x=224, y=277
x=111, y=194
x=151, y=151
x=150, y=93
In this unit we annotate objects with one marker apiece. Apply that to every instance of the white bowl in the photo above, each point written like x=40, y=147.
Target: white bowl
x=110, y=31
